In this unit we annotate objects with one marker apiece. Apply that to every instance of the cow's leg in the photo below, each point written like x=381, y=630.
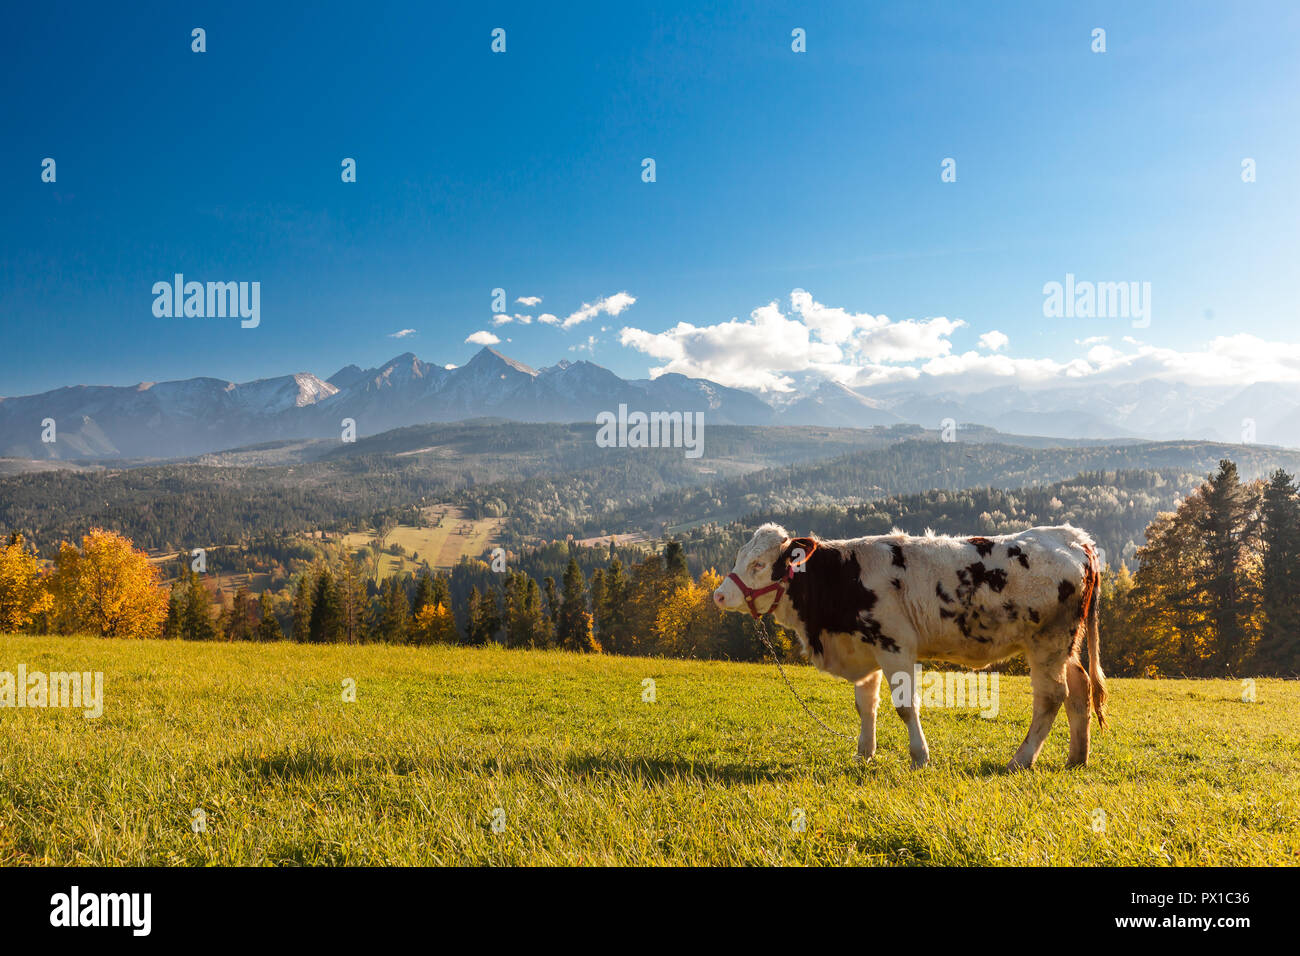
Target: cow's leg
x=1047, y=675
x=1078, y=689
x=866, y=695
x=900, y=673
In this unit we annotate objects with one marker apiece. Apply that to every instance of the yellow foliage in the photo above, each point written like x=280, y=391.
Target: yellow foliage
x=435, y=624
x=107, y=587
x=686, y=621
x=22, y=591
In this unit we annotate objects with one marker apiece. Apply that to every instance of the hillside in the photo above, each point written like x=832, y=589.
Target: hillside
x=552, y=482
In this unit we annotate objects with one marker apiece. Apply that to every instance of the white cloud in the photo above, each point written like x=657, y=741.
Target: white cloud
x=547, y=319
x=750, y=354
x=529, y=300
x=482, y=337
x=994, y=341
x=768, y=349
x=762, y=352
x=449, y=366
x=402, y=334
x=504, y=318
x=610, y=305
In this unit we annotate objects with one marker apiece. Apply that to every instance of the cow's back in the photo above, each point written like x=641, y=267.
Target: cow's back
x=976, y=599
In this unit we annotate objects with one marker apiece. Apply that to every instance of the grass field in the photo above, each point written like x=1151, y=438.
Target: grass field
x=575, y=768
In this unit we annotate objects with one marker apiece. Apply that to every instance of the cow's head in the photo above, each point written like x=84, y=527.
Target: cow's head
x=763, y=565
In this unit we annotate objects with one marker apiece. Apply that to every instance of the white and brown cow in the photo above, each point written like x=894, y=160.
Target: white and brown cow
x=868, y=606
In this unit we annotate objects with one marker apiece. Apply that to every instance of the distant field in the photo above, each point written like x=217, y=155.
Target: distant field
x=442, y=541
x=577, y=769
x=224, y=582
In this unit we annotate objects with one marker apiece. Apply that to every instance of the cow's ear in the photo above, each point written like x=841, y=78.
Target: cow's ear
x=795, y=550
x=782, y=561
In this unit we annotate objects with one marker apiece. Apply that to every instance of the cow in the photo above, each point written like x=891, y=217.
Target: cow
x=874, y=606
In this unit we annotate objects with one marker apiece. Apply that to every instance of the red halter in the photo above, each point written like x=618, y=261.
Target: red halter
x=778, y=586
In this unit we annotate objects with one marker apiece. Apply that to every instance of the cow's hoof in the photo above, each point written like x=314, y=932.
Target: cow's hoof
x=919, y=761
x=862, y=758
x=1013, y=765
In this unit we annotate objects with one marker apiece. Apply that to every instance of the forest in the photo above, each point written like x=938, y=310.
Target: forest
x=1216, y=590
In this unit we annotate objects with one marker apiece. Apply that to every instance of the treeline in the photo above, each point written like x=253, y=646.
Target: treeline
x=600, y=501
x=1217, y=589
x=652, y=607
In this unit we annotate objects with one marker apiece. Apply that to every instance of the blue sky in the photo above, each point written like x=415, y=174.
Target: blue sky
x=775, y=171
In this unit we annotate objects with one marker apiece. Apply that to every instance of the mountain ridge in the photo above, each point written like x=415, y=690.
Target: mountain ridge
x=187, y=417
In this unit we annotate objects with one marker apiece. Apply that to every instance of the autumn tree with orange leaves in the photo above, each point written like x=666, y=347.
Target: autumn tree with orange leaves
x=106, y=587
x=23, y=597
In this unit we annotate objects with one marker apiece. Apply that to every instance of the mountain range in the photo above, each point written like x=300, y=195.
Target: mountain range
x=199, y=415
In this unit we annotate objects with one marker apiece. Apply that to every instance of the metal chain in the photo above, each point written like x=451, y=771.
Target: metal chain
x=762, y=633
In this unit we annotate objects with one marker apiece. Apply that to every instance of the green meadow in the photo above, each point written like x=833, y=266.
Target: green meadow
x=250, y=754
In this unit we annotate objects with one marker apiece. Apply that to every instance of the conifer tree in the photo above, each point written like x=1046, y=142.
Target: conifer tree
x=395, y=613
x=574, y=628
x=196, y=614
x=302, y=596
x=326, y=616
x=268, y=628
x=1278, y=651
x=1227, y=526
x=241, y=610
x=423, y=592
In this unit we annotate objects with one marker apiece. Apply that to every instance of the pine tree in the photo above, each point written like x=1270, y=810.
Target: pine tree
x=487, y=622
x=1227, y=527
x=442, y=590
x=423, y=593
x=524, y=623
x=540, y=627
x=646, y=593
x=516, y=594
x=611, y=614
x=353, y=602
x=574, y=629
x=326, y=615
x=599, y=594
x=675, y=565
x=395, y=612
x=240, y=627
x=302, y=595
x=175, y=608
x=268, y=628
x=551, y=611
x=196, y=614
x=1278, y=651
x=472, y=615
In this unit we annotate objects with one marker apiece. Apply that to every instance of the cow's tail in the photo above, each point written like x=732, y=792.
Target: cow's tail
x=1096, y=679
